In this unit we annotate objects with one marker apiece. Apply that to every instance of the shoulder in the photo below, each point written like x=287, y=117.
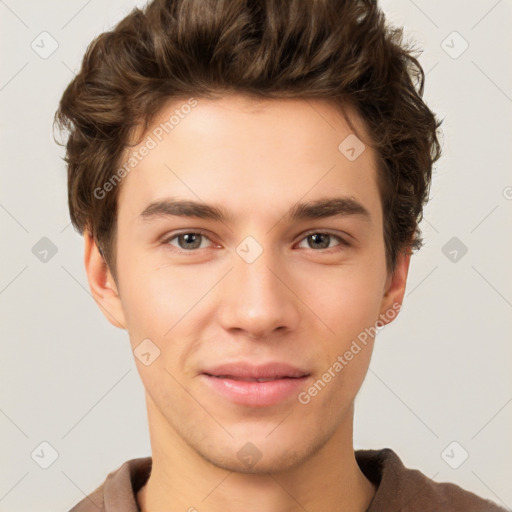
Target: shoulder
x=409, y=490
x=93, y=501
x=117, y=492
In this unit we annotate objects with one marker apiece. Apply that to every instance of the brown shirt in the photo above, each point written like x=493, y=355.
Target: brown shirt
x=399, y=489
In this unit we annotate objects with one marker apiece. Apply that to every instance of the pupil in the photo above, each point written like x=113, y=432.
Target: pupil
x=190, y=238
x=318, y=236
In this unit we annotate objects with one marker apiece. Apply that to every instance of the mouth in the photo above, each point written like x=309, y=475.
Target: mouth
x=256, y=386
x=250, y=379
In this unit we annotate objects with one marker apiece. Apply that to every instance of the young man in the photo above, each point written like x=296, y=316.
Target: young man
x=249, y=177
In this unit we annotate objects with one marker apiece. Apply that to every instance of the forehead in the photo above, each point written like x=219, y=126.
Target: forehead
x=254, y=155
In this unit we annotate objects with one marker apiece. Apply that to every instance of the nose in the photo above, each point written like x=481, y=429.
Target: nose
x=257, y=299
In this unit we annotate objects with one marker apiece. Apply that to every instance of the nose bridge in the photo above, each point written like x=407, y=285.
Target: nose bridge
x=255, y=299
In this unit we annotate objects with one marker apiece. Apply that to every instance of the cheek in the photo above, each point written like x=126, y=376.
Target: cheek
x=350, y=308
x=347, y=299
x=156, y=298
x=160, y=305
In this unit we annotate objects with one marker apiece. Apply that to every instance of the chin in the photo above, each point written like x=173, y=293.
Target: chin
x=260, y=453
x=250, y=461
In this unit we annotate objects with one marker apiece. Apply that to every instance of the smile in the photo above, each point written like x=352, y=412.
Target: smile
x=256, y=386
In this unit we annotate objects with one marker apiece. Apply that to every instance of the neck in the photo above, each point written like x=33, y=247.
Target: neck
x=182, y=480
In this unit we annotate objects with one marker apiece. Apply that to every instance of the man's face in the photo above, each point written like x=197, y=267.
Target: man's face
x=257, y=287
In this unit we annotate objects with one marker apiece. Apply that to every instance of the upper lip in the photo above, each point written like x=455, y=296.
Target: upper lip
x=252, y=371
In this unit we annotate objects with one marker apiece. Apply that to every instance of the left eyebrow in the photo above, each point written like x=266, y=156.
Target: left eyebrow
x=329, y=207
x=318, y=209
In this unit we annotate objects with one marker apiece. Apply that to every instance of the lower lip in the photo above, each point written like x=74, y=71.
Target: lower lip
x=256, y=394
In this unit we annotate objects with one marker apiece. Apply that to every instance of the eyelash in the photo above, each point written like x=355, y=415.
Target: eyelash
x=342, y=242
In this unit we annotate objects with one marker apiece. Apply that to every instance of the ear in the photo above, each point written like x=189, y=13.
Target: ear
x=394, y=289
x=101, y=282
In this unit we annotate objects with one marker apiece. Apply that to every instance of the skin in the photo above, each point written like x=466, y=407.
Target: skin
x=296, y=302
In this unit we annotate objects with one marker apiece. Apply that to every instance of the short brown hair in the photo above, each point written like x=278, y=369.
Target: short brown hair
x=340, y=50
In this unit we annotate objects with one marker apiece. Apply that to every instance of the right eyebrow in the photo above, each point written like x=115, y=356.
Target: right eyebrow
x=175, y=208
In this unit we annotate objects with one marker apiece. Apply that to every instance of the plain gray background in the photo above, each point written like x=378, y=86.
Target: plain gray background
x=439, y=384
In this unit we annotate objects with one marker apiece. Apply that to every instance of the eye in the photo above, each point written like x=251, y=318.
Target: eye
x=188, y=241
x=192, y=240
x=321, y=240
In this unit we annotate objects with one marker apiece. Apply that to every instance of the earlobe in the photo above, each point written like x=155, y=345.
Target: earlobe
x=102, y=284
x=395, y=288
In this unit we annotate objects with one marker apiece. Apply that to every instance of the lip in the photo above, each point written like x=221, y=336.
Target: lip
x=237, y=382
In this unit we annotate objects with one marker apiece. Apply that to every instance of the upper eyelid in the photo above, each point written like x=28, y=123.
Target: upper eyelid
x=168, y=238
x=342, y=239
x=324, y=232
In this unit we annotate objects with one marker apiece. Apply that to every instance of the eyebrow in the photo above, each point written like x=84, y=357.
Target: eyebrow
x=318, y=209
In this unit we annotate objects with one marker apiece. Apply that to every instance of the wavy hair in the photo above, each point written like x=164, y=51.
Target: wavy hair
x=339, y=50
